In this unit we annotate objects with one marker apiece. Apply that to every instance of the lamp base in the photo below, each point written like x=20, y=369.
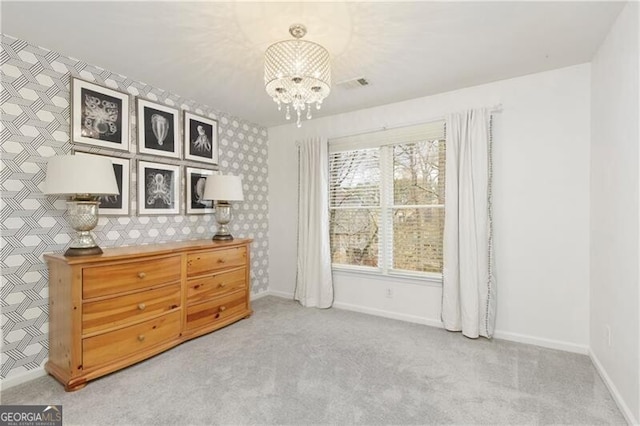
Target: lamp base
x=83, y=217
x=82, y=251
x=223, y=217
x=226, y=237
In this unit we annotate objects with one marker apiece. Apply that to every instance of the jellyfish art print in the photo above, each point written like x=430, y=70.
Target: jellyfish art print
x=160, y=127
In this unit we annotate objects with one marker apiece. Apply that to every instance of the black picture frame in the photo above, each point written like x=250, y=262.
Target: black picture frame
x=116, y=205
x=158, y=129
x=99, y=116
x=158, y=188
x=200, y=139
x=194, y=189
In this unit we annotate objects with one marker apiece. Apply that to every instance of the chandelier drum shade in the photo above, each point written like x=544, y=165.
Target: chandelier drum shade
x=297, y=73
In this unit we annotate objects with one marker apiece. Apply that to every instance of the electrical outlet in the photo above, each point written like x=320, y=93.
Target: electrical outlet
x=608, y=334
x=389, y=293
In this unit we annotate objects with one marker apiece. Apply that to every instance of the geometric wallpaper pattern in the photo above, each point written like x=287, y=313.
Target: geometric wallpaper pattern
x=35, y=108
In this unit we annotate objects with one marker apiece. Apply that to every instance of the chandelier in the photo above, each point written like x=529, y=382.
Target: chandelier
x=297, y=73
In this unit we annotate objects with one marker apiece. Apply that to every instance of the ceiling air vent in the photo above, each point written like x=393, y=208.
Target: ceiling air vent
x=354, y=83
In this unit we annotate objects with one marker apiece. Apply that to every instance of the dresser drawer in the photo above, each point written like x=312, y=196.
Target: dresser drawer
x=216, y=310
x=117, y=344
x=209, y=261
x=107, y=313
x=112, y=279
x=217, y=284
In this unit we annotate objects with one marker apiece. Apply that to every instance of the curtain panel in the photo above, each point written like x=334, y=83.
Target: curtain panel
x=469, y=288
x=314, y=283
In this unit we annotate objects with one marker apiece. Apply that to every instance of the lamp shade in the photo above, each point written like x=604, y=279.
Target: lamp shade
x=223, y=188
x=71, y=174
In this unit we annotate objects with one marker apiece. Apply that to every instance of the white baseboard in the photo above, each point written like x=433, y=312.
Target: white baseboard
x=18, y=379
x=259, y=295
x=388, y=314
x=281, y=294
x=503, y=335
x=513, y=337
x=624, y=408
x=540, y=341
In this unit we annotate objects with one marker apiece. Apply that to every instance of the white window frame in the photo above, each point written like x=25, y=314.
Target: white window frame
x=386, y=207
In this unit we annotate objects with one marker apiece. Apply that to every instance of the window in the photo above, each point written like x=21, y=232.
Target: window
x=387, y=200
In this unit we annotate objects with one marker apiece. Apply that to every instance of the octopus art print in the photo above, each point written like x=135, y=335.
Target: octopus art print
x=100, y=117
x=158, y=188
x=202, y=142
x=108, y=199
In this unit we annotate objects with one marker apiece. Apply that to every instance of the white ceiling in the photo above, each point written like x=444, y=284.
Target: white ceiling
x=212, y=51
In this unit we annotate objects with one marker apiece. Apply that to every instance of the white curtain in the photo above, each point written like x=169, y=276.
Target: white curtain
x=468, y=290
x=314, y=284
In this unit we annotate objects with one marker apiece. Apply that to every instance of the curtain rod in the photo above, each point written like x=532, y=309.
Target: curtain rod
x=497, y=108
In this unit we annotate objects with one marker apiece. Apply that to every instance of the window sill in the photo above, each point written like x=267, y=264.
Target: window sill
x=434, y=280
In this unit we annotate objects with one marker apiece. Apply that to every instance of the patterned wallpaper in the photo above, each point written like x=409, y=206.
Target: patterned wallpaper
x=35, y=125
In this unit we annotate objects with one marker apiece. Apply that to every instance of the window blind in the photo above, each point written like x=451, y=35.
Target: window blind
x=387, y=199
x=354, y=178
x=354, y=202
x=399, y=135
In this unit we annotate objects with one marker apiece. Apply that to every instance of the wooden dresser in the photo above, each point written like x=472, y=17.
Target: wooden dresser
x=112, y=310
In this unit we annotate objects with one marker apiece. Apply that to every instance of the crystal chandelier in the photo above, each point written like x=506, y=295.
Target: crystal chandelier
x=297, y=73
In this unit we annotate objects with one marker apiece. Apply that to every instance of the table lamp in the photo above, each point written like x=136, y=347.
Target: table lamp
x=223, y=189
x=82, y=179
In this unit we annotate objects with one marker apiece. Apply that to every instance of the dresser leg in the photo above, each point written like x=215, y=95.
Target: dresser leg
x=75, y=385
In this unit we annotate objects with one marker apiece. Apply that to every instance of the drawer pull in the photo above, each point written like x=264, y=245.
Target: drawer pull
x=141, y=275
x=223, y=308
x=141, y=338
x=142, y=306
x=221, y=260
x=222, y=285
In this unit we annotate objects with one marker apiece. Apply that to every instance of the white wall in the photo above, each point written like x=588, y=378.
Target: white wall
x=615, y=214
x=541, y=205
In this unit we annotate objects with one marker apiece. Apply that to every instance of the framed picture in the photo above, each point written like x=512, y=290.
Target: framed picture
x=200, y=138
x=99, y=116
x=157, y=129
x=116, y=205
x=158, y=188
x=194, y=181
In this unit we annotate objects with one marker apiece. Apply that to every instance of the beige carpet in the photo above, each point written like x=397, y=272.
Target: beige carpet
x=292, y=365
